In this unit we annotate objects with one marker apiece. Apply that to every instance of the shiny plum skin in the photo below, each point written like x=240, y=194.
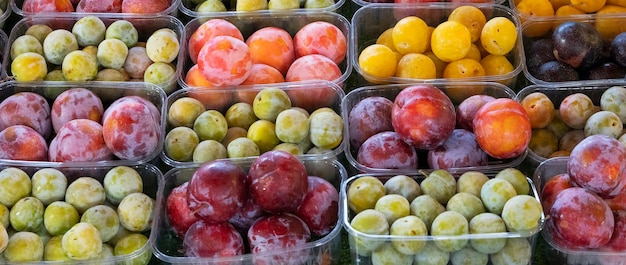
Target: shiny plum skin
x=278, y=181
x=275, y=232
x=319, y=208
x=216, y=191
x=552, y=188
x=75, y=103
x=79, y=140
x=618, y=238
x=247, y=215
x=20, y=142
x=224, y=240
x=459, y=150
x=387, y=150
x=467, y=109
x=502, y=128
x=368, y=117
x=99, y=6
x=26, y=108
x=179, y=215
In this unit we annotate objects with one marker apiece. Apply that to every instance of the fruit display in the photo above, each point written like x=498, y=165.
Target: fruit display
x=565, y=187
x=198, y=8
x=560, y=49
x=127, y=7
x=452, y=42
x=281, y=209
x=96, y=48
x=209, y=124
x=566, y=9
x=284, y=47
x=563, y=116
x=408, y=127
x=80, y=123
x=72, y=214
x=442, y=218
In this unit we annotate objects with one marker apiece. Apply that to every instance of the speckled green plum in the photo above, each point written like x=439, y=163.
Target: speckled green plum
x=59, y=217
x=39, y=31
x=393, y=206
x=364, y=192
x=431, y=255
x=242, y=147
x=471, y=182
x=450, y=223
x=180, y=143
x=387, y=254
x=468, y=256
x=136, y=212
x=292, y=126
x=370, y=222
x=211, y=125
x=426, y=208
x=129, y=244
x=58, y=44
x=24, y=247
x=122, y=30
x=522, y=213
x=516, y=251
x=209, y=150
x=614, y=100
x=269, y=102
x=48, y=185
x=53, y=250
x=408, y=226
x=27, y=215
x=25, y=43
x=184, y=111
x=104, y=218
x=439, y=184
x=89, y=30
x=120, y=181
x=325, y=128
x=403, y=185
x=487, y=223
x=604, y=122
x=263, y=134
x=494, y=194
x=112, y=53
x=291, y=148
x=79, y=66
x=241, y=115
x=14, y=185
x=84, y=193
x=82, y=242
x=517, y=178
x=467, y=204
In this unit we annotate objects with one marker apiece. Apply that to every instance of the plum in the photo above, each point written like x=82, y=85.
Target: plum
x=75, y=103
x=459, y=150
x=467, y=109
x=20, y=142
x=224, y=238
x=556, y=71
x=275, y=232
x=247, y=215
x=618, y=238
x=369, y=116
x=387, y=150
x=617, y=49
x=577, y=44
x=179, y=215
x=99, y=6
x=319, y=208
x=502, y=128
x=606, y=70
x=79, y=140
x=538, y=53
x=26, y=108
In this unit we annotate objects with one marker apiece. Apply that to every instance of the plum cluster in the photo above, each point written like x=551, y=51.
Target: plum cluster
x=275, y=205
x=96, y=6
x=410, y=209
x=77, y=128
x=53, y=217
x=208, y=6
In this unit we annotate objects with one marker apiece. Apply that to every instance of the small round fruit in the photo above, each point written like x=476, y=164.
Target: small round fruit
x=270, y=102
x=364, y=192
x=403, y=185
x=614, y=100
x=439, y=184
x=211, y=125
x=29, y=66
x=184, y=111
x=79, y=66
x=82, y=242
x=471, y=182
x=516, y=251
x=241, y=115
x=539, y=108
x=450, y=223
x=433, y=255
x=393, y=206
x=292, y=126
x=467, y=204
x=123, y=30
x=24, y=247
x=27, y=215
x=104, y=218
x=522, y=213
x=487, y=223
x=136, y=212
x=468, y=255
x=180, y=143
x=14, y=185
x=130, y=244
x=53, y=251
x=209, y=150
x=426, y=208
x=58, y=44
x=163, y=46
x=112, y=53
x=408, y=226
x=4, y=238
x=120, y=181
x=499, y=36
x=575, y=109
x=89, y=30
x=495, y=193
x=517, y=178
x=84, y=193
x=48, y=185
x=59, y=217
x=325, y=128
x=604, y=122
x=451, y=41
x=263, y=134
x=25, y=43
x=387, y=254
x=378, y=60
x=242, y=147
x=411, y=35
x=370, y=222
x=470, y=16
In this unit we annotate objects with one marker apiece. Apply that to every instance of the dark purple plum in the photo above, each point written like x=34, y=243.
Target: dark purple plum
x=607, y=70
x=618, y=49
x=538, y=53
x=577, y=44
x=555, y=71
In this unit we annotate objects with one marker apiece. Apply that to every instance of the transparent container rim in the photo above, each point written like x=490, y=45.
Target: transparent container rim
x=249, y=256
x=171, y=10
x=194, y=14
x=364, y=3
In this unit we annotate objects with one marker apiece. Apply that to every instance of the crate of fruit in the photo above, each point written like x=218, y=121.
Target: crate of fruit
x=456, y=2
x=562, y=49
x=30, y=8
x=309, y=234
x=267, y=48
x=422, y=43
x=78, y=215
x=407, y=127
x=586, y=222
x=78, y=123
x=529, y=10
x=63, y=48
x=441, y=218
x=563, y=115
x=219, y=8
x=304, y=119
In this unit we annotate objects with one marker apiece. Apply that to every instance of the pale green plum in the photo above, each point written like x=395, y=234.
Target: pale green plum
x=104, y=218
x=82, y=242
x=431, y=255
x=516, y=251
x=25, y=43
x=84, y=193
x=48, y=185
x=24, y=247
x=450, y=223
x=557, y=126
x=54, y=75
x=241, y=115
x=292, y=126
x=105, y=254
x=369, y=222
x=283, y=4
x=393, y=206
x=233, y=133
x=112, y=53
x=39, y=31
x=364, y=192
x=604, y=122
x=79, y=65
x=408, y=226
x=387, y=254
x=120, y=181
x=485, y=223
x=242, y=147
x=522, y=213
x=467, y=204
x=131, y=243
x=211, y=125
x=426, y=208
x=469, y=256
x=614, y=100
x=471, y=182
x=4, y=215
x=59, y=217
x=136, y=212
x=184, y=111
x=439, y=184
x=121, y=233
x=403, y=185
x=89, y=30
x=291, y=148
x=517, y=178
x=210, y=6
x=160, y=73
x=494, y=194
x=122, y=30
x=180, y=143
x=53, y=250
x=14, y=185
x=163, y=46
x=58, y=44
x=269, y=102
x=27, y=214
x=325, y=128
x=209, y=150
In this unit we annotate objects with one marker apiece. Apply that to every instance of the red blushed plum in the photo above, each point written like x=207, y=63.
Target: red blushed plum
x=79, y=140
x=263, y=74
x=459, y=150
x=145, y=6
x=369, y=116
x=323, y=38
x=618, y=239
x=577, y=209
x=99, y=6
x=209, y=29
x=320, y=206
x=26, y=108
x=423, y=116
x=278, y=181
x=502, y=128
x=212, y=240
x=36, y=6
x=156, y=114
x=276, y=232
x=387, y=150
x=179, y=215
x=130, y=129
x=552, y=188
x=247, y=215
x=312, y=97
x=19, y=142
x=272, y=46
x=598, y=163
x=75, y=103
x=313, y=67
x=225, y=61
x=217, y=190
x=467, y=109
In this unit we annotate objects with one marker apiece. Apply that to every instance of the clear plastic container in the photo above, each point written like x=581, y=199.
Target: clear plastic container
x=16, y=6
x=230, y=95
x=534, y=30
x=557, y=92
x=6, y=12
x=188, y=8
x=391, y=91
x=555, y=253
x=525, y=16
x=457, y=2
x=362, y=256
x=321, y=250
x=108, y=92
x=370, y=21
x=289, y=21
x=152, y=179
x=145, y=26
